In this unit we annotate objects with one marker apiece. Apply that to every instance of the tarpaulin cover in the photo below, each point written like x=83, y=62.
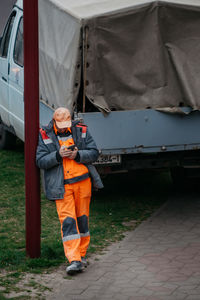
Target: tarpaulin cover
x=59, y=38
x=140, y=54
x=147, y=57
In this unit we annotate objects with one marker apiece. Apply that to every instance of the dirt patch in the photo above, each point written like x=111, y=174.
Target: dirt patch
x=37, y=286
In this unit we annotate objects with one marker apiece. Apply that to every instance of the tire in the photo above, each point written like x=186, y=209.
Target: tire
x=7, y=139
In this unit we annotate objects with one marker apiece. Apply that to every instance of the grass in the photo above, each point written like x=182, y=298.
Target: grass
x=124, y=198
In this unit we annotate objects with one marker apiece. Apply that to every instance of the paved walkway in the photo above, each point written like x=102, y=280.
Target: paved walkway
x=160, y=260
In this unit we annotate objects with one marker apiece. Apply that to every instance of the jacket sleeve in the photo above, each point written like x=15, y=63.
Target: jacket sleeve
x=90, y=153
x=44, y=158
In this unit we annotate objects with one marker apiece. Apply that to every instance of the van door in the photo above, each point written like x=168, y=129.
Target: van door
x=16, y=80
x=5, y=68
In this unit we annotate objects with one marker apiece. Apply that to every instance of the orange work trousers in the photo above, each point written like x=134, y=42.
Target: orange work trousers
x=73, y=213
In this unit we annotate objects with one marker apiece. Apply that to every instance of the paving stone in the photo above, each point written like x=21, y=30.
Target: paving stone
x=192, y=280
x=192, y=297
x=93, y=287
x=159, y=289
x=137, y=298
x=153, y=284
x=169, y=297
x=195, y=244
x=145, y=277
x=78, y=297
x=122, y=283
x=137, y=283
x=137, y=269
x=144, y=292
x=161, y=277
x=162, y=293
x=113, y=259
x=195, y=291
x=178, y=279
x=123, y=251
x=131, y=291
x=178, y=295
x=170, y=285
x=115, y=289
x=122, y=267
x=188, y=289
x=170, y=268
x=154, y=269
x=152, y=255
x=187, y=271
x=119, y=296
x=103, y=280
x=129, y=259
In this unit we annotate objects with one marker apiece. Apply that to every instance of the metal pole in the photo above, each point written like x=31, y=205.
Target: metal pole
x=31, y=114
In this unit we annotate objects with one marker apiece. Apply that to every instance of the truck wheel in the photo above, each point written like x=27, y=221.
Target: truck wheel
x=7, y=139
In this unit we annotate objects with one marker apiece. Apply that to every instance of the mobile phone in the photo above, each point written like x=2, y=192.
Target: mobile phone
x=71, y=147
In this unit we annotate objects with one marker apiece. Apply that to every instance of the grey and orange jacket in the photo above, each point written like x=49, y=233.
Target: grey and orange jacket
x=50, y=162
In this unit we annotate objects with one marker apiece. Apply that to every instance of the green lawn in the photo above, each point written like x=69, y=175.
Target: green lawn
x=124, y=198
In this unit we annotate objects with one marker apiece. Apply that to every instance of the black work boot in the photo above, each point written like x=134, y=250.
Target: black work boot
x=74, y=267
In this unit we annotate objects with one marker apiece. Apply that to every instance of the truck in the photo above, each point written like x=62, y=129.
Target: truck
x=129, y=69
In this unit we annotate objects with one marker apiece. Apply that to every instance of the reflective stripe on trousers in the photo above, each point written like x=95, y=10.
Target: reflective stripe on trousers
x=73, y=213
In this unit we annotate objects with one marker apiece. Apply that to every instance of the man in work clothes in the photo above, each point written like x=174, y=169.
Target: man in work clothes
x=65, y=152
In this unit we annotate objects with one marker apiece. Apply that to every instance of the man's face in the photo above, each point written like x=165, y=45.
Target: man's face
x=61, y=130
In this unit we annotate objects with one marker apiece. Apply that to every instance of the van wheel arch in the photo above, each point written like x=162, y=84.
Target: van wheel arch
x=7, y=139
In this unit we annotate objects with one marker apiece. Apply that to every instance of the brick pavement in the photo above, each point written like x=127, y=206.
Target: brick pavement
x=159, y=260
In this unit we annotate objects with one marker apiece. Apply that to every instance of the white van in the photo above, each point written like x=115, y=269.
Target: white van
x=12, y=81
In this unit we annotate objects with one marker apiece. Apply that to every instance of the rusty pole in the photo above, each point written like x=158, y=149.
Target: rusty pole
x=31, y=114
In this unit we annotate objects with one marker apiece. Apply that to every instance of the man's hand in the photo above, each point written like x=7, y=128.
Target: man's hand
x=64, y=152
x=73, y=153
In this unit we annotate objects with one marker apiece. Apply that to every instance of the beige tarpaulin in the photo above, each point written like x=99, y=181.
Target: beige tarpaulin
x=140, y=54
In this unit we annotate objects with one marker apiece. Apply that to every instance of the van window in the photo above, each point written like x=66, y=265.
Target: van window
x=19, y=45
x=6, y=36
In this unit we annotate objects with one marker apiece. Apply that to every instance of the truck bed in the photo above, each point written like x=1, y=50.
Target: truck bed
x=144, y=131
